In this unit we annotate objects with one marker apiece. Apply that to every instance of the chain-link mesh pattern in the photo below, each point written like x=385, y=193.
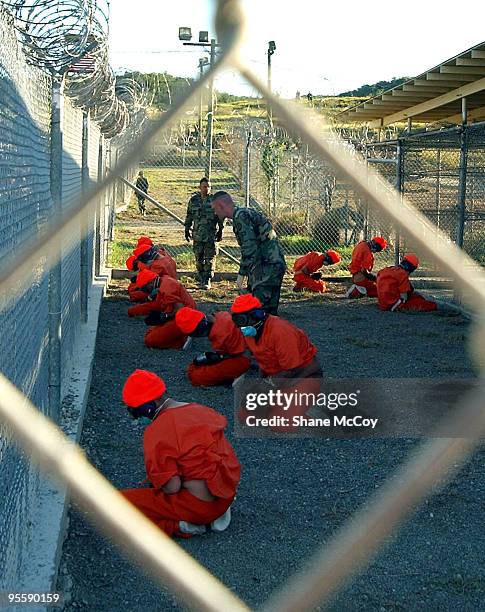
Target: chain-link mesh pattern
x=25, y=207
x=25, y=203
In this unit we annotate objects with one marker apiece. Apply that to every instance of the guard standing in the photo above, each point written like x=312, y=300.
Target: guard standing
x=205, y=229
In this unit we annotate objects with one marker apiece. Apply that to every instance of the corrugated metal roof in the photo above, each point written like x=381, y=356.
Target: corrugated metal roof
x=434, y=96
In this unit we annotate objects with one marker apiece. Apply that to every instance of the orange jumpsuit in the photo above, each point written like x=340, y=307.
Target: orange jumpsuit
x=170, y=293
x=187, y=441
x=312, y=261
x=225, y=337
x=394, y=280
x=162, y=265
x=135, y=294
x=282, y=346
x=362, y=259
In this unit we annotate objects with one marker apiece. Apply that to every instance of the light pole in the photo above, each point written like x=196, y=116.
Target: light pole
x=185, y=34
x=203, y=61
x=271, y=50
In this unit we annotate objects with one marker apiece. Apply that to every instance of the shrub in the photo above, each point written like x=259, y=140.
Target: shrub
x=290, y=224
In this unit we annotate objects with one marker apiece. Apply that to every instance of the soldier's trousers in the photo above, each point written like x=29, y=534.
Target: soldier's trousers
x=268, y=293
x=205, y=258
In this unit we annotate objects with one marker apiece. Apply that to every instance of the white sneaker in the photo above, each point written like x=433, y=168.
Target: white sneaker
x=186, y=527
x=223, y=522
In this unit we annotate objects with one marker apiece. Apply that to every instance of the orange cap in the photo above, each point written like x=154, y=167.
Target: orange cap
x=334, y=256
x=144, y=277
x=143, y=248
x=245, y=303
x=144, y=240
x=142, y=387
x=129, y=262
x=412, y=258
x=187, y=319
x=382, y=242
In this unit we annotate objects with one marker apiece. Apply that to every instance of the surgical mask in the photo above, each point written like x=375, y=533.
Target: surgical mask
x=249, y=331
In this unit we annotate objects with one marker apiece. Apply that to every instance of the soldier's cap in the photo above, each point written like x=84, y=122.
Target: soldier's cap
x=245, y=303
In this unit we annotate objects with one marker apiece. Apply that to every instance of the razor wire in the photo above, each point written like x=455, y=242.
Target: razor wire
x=437, y=456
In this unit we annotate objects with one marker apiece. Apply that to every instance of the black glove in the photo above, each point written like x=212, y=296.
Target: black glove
x=208, y=358
x=218, y=235
x=187, y=234
x=133, y=279
x=156, y=318
x=316, y=275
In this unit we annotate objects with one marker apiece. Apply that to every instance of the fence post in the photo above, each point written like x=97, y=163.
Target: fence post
x=247, y=167
x=85, y=221
x=399, y=188
x=99, y=212
x=55, y=262
x=462, y=185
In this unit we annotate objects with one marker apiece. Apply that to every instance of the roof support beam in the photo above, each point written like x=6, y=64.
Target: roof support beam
x=478, y=54
x=419, y=109
x=468, y=61
x=437, y=76
x=462, y=70
x=476, y=113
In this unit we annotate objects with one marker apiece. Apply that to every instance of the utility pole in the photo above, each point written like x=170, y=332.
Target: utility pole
x=202, y=62
x=185, y=34
x=210, y=114
x=271, y=50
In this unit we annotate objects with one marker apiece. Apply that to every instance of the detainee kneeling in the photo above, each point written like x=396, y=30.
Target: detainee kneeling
x=227, y=362
x=190, y=464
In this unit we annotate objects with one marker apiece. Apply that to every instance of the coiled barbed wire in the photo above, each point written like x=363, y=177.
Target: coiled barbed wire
x=69, y=38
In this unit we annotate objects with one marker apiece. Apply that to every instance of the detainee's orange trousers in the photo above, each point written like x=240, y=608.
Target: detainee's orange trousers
x=303, y=281
x=167, y=510
x=369, y=285
x=419, y=303
x=218, y=374
x=165, y=336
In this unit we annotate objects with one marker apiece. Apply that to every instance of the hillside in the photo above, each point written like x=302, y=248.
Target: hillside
x=368, y=91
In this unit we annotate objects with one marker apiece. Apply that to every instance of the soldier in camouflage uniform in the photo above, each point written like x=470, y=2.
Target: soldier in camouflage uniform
x=206, y=230
x=262, y=259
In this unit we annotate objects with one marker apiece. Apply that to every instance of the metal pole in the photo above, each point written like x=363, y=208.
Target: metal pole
x=399, y=189
x=210, y=124
x=463, y=172
x=199, y=139
x=84, y=280
x=55, y=278
x=99, y=211
x=248, y=167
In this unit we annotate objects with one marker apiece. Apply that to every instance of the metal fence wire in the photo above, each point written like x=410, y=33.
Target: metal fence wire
x=353, y=546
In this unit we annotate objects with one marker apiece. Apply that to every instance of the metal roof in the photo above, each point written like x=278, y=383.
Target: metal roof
x=434, y=96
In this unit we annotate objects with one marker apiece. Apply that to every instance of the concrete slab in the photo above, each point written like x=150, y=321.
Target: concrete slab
x=49, y=519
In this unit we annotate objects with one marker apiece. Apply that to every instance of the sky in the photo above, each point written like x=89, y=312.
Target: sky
x=325, y=48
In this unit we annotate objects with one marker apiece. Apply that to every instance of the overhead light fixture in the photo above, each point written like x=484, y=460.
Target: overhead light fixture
x=203, y=36
x=185, y=33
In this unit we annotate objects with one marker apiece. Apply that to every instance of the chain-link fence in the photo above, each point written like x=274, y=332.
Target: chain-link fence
x=28, y=175
x=310, y=205
x=26, y=364
x=442, y=174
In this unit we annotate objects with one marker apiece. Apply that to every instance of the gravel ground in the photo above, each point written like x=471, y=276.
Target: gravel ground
x=294, y=494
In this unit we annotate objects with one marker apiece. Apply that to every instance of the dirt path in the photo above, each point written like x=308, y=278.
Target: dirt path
x=294, y=494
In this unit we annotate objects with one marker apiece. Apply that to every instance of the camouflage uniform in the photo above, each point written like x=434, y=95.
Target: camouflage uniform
x=262, y=259
x=205, y=224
